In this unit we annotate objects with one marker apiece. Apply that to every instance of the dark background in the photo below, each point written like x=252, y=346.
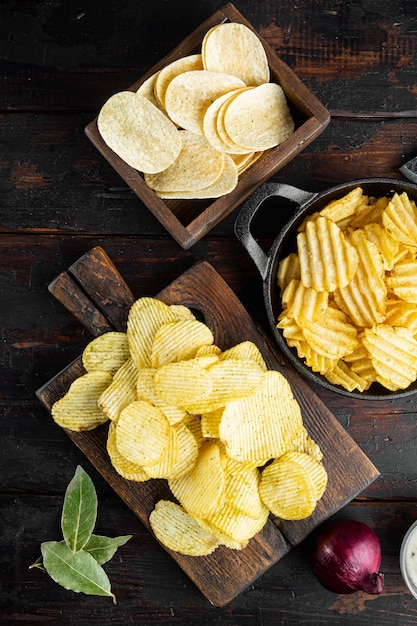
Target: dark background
x=59, y=62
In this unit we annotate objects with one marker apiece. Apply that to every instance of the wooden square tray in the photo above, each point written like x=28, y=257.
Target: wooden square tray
x=95, y=292
x=189, y=220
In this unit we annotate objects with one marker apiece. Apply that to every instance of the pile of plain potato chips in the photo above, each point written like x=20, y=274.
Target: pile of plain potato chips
x=349, y=292
x=196, y=125
x=223, y=430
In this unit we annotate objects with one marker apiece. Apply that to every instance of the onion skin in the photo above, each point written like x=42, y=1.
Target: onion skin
x=346, y=558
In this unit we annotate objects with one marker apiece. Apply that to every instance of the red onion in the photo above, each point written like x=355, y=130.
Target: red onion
x=346, y=558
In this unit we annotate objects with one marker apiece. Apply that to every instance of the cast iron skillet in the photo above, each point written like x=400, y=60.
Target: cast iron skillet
x=306, y=203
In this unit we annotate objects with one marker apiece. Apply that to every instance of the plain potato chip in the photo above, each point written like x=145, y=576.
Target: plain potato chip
x=222, y=186
x=138, y=132
x=107, y=352
x=183, y=64
x=189, y=95
x=179, y=531
x=259, y=118
x=147, y=90
x=78, y=409
x=198, y=165
x=212, y=130
x=234, y=49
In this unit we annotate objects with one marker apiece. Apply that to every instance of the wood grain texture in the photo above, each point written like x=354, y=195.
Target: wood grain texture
x=59, y=198
x=349, y=471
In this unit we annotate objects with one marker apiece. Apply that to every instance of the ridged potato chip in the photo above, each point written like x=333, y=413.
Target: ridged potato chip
x=235, y=524
x=245, y=350
x=288, y=269
x=142, y=433
x=346, y=206
x=287, y=490
x=402, y=281
x=333, y=335
x=124, y=467
x=146, y=316
x=304, y=443
x=313, y=467
x=234, y=49
x=183, y=383
x=179, y=341
x=179, y=531
x=393, y=352
x=304, y=304
x=78, y=409
x=327, y=260
x=201, y=492
x=187, y=450
x=120, y=392
x=242, y=492
x=400, y=219
x=263, y=424
x=107, y=352
x=138, y=132
x=345, y=376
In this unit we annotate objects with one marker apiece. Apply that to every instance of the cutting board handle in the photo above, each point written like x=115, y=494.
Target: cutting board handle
x=244, y=221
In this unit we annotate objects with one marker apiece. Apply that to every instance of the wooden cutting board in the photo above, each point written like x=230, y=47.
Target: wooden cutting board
x=93, y=290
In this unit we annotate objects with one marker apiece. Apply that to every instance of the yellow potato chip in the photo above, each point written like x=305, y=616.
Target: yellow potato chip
x=332, y=335
x=262, y=425
x=147, y=90
x=212, y=130
x=304, y=304
x=210, y=422
x=187, y=450
x=107, y=352
x=197, y=166
x=223, y=185
x=245, y=350
x=146, y=316
x=169, y=458
x=304, y=443
x=182, y=312
x=201, y=491
x=138, y=132
x=224, y=540
x=345, y=376
x=317, y=362
x=182, y=384
x=142, y=433
x=402, y=281
x=78, y=409
x=313, y=467
x=288, y=269
x=270, y=118
x=401, y=313
x=178, y=341
x=400, y=219
x=183, y=64
x=344, y=207
x=235, y=524
x=189, y=95
x=146, y=390
x=287, y=490
x=126, y=469
x=327, y=260
x=387, y=245
x=234, y=49
x=179, y=531
x=242, y=492
x=393, y=352
x=120, y=392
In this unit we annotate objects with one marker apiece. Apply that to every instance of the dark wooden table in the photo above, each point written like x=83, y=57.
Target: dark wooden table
x=59, y=198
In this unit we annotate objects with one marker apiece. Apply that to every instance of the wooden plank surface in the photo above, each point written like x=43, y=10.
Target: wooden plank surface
x=349, y=470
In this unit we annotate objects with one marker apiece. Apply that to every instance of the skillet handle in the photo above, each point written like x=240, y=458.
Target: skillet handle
x=249, y=210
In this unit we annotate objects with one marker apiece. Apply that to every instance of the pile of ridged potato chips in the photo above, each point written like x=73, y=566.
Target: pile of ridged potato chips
x=349, y=292
x=224, y=430
x=195, y=126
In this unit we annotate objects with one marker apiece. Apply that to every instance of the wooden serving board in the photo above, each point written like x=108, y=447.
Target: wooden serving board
x=95, y=292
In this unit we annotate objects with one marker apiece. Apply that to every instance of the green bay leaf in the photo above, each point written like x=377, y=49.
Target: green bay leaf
x=76, y=571
x=103, y=548
x=79, y=512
